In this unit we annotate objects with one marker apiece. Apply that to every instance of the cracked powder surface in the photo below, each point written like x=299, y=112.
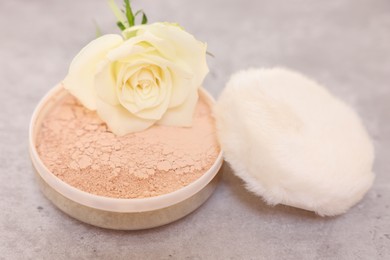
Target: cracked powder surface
x=77, y=147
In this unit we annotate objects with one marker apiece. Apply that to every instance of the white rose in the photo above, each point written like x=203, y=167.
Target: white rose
x=151, y=76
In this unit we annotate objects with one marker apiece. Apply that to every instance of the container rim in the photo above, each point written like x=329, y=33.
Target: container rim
x=108, y=203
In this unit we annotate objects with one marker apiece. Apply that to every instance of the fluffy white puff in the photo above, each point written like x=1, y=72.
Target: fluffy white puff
x=292, y=142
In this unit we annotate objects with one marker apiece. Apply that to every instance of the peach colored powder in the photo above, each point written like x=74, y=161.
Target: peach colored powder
x=78, y=148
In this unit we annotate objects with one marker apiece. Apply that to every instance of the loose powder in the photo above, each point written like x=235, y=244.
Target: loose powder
x=78, y=148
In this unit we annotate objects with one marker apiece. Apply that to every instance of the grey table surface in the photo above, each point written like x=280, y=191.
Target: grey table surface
x=343, y=44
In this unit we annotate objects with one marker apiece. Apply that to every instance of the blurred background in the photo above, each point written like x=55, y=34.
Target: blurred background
x=343, y=44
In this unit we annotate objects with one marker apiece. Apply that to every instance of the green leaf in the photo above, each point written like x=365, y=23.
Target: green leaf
x=117, y=12
x=129, y=13
x=210, y=54
x=121, y=26
x=98, y=31
x=138, y=12
x=126, y=17
x=144, y=18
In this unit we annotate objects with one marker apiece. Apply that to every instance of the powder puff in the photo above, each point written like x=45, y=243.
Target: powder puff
x=294, y=143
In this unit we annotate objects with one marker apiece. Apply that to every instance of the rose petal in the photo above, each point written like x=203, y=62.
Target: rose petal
x=105, y=82
x=157, y=112
x=181, y=78
x=154, y=110
x=144, y=43
x=182, y=85
x=188, y=55
x=181, y=115
x=187, y=48
x=145, y=74
x=119, y=120
x=80, y=79
x=148, y=110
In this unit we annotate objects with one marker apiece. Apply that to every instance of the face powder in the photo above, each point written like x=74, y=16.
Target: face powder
x=76, y=146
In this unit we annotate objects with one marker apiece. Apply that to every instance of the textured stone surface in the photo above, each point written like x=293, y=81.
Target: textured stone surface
x=344, y=44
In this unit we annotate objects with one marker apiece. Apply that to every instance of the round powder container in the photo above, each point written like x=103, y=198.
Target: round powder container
x=110, y=212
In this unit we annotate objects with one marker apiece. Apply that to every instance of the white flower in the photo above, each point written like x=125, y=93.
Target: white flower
x=151, y=76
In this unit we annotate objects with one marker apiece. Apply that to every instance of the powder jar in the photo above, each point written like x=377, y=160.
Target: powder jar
x=117, y=213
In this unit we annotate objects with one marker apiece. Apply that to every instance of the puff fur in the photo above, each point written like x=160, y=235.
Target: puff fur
x=292, y=142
